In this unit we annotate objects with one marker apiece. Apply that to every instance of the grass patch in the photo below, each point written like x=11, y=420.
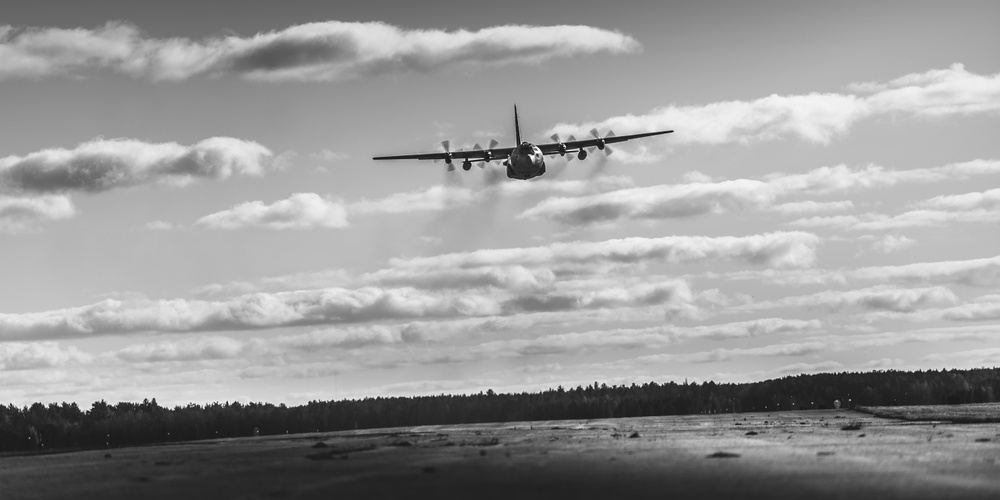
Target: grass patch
x=854, y=425
x=959, y=414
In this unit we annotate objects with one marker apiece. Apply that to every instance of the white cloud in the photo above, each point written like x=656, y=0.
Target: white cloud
x=720, y=355
x=518, y=278
x=783, y=249
x=703, y=197
x=974, y=272
x=975, y=358
x=27, y=356
x=822, y=366
x=300, y=211
x=254, y=311
x=936, y=92
x=435, y=198
x=881, y=297
x=327, y=278
x=309, y=210
x=438, y=198
x=321, y=51
x=987, y=200
x=101, y=165
x=655, y=202
x=200, y=348
x=330, y=156
x=24, y=213
x=909, y=219
x=890, y=243
x=814, y=117
x=799, y=207
x=159, y=225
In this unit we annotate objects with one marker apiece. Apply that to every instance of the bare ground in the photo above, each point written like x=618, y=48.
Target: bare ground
x=753, y=455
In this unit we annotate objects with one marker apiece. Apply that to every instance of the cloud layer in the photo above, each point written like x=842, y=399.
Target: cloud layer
x=300, y=211
x=22, y=213
x=323, y=51
x=814, y=117
x=667, y=201
x=102, y=165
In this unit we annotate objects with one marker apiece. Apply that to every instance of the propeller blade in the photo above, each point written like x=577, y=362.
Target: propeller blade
x=555, y=138
x=608, y=151
x=569, y=156
x=446, y=144
x=451, y=168
x=477, y=147
x=611, y=133
x=493, y=143
x=594, y=133
x=481, y=164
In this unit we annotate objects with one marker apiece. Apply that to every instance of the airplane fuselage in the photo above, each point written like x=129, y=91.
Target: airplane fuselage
x=525, y=162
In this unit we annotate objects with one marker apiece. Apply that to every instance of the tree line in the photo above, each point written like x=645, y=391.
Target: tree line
x=54, y=426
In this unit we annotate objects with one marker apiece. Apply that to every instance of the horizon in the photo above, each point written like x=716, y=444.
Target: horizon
x=189, y=209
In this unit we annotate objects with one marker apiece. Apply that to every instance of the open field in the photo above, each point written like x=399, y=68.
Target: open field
x=754, y=455
x=970, y=413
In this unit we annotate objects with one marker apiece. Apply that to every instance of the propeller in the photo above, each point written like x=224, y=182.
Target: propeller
x=600, y=145
x=562, y=147
x=477, y=147
x=569, y=157
x=446, y=145
x=489, y=151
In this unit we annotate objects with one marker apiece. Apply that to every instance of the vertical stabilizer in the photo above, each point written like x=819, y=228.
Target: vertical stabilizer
x=517, y=128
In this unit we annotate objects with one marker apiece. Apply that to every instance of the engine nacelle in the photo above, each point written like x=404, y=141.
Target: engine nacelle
x=562, y=149
x=582, y=155
x=447, y=158
x=466, y=165
x=600, y=144
x=488, y=155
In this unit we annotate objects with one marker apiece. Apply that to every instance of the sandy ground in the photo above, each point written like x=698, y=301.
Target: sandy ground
x=753, y=455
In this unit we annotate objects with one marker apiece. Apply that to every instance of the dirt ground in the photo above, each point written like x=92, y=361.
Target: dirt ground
x=803, y=454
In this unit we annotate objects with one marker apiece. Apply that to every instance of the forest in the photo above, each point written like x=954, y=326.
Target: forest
x=52, y=427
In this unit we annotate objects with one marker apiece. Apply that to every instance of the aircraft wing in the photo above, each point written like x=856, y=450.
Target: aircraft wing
x=573, y=146
x=471, y=155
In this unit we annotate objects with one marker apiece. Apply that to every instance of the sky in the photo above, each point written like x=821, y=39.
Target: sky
x=189, y=210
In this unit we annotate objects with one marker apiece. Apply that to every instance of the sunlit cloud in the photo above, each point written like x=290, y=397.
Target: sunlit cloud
x=881, y=297
x=321, y=51
x=891, y=243
x=200, y=348
x=247, y=312
x=102, y=165
x=909, y=219
x=300, y=211
x=28, y=356
x=784, y=249
x=19, y=214
x=814, y=117
x=983, y=272
x=700, y=197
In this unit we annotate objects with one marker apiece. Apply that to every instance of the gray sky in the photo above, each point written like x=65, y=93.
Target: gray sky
x=188, y=209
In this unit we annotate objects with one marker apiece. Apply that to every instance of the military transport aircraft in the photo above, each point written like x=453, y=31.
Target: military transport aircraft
x=526, y=160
